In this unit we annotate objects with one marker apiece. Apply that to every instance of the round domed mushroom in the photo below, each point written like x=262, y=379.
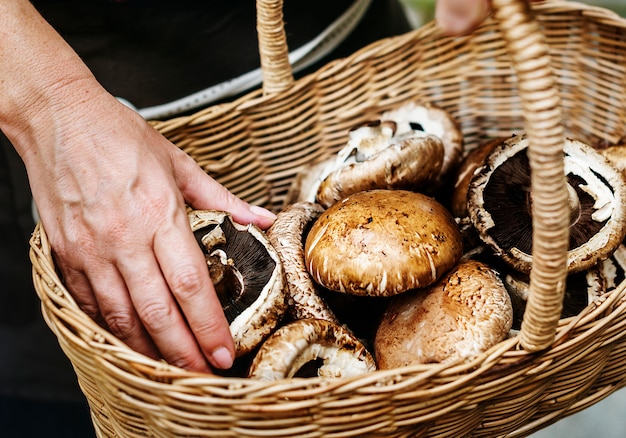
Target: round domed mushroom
x=429, y=119
x=382, y=243
x=462, y=315
x=247, y=274
x=316, y=346
x=500, y=204
x=616, y=154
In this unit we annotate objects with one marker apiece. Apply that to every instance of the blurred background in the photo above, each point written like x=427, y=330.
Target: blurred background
x=606, y=419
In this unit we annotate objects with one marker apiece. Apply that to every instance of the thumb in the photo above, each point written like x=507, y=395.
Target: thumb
x=202, y=192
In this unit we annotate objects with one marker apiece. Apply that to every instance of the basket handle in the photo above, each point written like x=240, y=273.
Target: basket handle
x=545, y=132
x=273, y=50
x=544, y=127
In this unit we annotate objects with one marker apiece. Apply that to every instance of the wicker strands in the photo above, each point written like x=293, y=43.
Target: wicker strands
x=556, y=70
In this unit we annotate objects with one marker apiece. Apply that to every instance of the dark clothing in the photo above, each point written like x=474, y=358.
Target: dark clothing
x=149, y=53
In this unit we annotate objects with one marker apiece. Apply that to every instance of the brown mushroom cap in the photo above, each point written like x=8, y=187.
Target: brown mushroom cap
x=298, y=343
x=247, y=274
x=500, y=200
x=364, y=141
x=462, y=315
x=616, y=154
x=381, y=243
x=430, y=119
x=409, y=162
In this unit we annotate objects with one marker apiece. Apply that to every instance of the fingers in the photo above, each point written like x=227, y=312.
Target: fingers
x=111, y=307
x=82, y=293
x=461, y=16
x=139, y=292
x=157, y=309
x=185, y=269
x=204, y=193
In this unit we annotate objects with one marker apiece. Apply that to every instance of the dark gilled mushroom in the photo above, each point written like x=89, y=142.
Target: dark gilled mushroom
x=428, y=119
x=613, y=270
x=382, y=243
x=287, y=236
x=499, y=204
x=373, y=158
x=247, y=274
x=309, y=348
x=581, y=289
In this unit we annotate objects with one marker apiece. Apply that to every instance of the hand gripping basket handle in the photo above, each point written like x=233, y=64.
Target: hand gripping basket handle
x=545, y=133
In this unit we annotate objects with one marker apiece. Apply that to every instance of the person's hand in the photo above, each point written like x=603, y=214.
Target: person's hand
x=111, y=198
x=456, y=17
x=111, y=194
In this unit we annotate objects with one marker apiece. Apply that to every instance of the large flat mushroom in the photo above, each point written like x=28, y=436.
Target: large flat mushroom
x=247, y=274
x=382, y=243
x=500, y=204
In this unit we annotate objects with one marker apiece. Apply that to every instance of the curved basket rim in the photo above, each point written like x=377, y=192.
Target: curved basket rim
x=507, y=353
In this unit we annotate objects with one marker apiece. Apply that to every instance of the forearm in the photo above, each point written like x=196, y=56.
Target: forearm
x=40, y=75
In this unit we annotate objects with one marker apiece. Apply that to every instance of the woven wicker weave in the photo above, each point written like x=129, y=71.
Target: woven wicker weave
x=556, y=70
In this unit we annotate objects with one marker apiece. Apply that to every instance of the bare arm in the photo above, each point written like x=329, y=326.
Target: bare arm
x=111, y=191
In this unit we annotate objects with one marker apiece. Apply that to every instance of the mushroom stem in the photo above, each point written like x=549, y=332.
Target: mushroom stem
x=286, y=236
x=226, y=279
x=573, y=203
x=247, y=275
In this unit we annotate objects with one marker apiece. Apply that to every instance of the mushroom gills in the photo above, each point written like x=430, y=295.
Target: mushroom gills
x=500, y=204
x=238, y=285
x=581, y=289
x=509, y=200
x=613, y=269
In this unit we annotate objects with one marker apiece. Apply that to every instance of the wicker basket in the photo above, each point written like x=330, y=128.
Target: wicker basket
x=555, y=70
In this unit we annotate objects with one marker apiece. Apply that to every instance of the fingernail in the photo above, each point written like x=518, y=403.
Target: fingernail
x=222, y=358
x=260, y=211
